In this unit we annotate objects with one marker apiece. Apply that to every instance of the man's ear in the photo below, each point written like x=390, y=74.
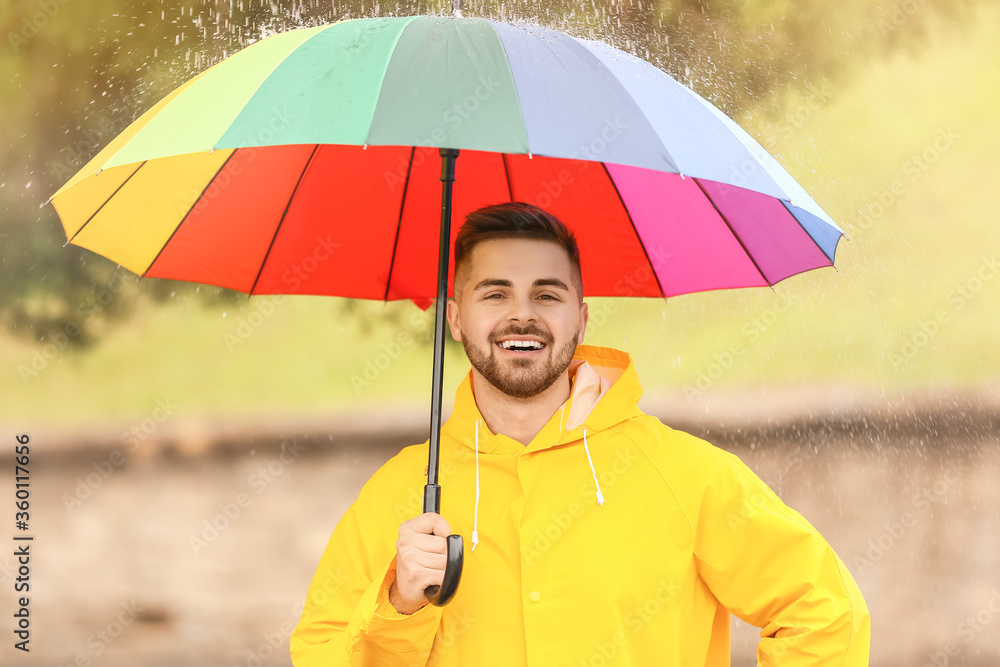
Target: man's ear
x=584, y=316
x=451, y=312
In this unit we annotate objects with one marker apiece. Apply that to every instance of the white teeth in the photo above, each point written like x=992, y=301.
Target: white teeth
x=521, y=344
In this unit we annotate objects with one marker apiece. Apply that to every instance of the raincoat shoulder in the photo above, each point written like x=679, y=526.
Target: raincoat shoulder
x=347, y=618
x=761, y=559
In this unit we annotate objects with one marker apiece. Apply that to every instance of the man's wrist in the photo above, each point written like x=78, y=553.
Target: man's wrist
x=398, y=604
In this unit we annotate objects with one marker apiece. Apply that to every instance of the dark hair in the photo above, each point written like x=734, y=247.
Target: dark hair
x=515, y=220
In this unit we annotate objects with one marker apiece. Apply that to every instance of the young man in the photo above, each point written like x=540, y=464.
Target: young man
x=598, y=535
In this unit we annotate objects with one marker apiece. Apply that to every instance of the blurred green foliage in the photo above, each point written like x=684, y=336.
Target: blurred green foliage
x=77, y=72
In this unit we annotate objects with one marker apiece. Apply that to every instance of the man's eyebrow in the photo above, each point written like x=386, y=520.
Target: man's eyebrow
x=551, y=282
x=493, y=282
x=502, y=282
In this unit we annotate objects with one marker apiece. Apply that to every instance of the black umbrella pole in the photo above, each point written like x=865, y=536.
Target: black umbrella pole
x=440, y=595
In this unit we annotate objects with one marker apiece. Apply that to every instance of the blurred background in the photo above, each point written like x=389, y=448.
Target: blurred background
x=867, y=397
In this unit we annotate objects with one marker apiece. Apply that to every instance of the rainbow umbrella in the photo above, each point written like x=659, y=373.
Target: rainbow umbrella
x=308, y=163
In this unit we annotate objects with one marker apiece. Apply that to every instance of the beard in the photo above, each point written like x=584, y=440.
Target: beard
x=522, y=378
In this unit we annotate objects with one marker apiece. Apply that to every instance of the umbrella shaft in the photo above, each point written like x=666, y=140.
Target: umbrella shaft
x=432, y=500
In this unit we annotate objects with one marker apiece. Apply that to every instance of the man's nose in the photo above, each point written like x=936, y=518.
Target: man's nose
x=522, y=309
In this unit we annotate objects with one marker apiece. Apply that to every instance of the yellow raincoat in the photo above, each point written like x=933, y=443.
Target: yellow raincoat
x=610, y=540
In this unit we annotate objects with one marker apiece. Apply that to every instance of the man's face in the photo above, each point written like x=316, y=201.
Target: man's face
x=519, y=290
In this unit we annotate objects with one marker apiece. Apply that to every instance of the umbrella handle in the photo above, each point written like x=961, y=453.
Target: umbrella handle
x=441, y=595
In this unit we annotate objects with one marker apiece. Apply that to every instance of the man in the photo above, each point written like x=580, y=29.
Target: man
x=599, y=536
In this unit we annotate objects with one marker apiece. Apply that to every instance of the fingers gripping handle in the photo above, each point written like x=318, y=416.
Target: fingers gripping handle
x=441, y=595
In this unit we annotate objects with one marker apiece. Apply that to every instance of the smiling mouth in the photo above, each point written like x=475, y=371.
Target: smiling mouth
x=521, y=348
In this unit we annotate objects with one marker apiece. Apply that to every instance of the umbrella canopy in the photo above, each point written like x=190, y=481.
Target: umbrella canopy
x=308, y=164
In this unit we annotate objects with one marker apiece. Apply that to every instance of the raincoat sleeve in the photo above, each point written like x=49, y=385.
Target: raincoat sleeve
x=347, y=618
x=770, y=567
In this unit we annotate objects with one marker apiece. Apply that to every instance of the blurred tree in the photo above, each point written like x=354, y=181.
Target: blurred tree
x=76, y=73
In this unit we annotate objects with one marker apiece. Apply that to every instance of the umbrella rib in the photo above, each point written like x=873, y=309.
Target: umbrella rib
x=193, y=204
x=110, y=197
x=825, y=253
x=399, y=224
x=733, y=232
x=634, y=230
x=506, y=173
x=282, y=220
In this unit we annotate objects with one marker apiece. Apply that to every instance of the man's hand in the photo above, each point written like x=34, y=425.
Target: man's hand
x=421, y=557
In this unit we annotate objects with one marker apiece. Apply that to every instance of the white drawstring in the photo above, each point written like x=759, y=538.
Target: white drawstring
x=475, y=518
x=600, y=496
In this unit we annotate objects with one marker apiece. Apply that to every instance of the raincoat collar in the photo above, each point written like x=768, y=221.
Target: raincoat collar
x=604, y=391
